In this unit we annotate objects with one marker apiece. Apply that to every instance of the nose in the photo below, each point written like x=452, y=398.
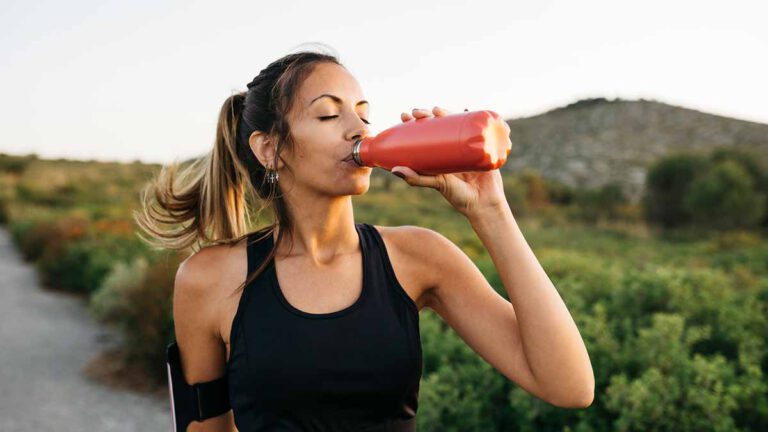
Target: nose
x=359, y=130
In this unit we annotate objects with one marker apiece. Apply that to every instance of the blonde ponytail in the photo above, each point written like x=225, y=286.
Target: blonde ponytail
x=206, y=197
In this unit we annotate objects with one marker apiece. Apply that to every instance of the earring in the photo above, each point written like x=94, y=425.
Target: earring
x=272, y=176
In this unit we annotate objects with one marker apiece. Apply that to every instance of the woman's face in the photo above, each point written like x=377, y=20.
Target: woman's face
x=324, y=129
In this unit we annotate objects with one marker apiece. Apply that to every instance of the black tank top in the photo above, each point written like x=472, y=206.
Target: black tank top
x=355, y=369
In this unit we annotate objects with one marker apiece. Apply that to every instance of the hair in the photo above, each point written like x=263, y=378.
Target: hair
x=210, y=197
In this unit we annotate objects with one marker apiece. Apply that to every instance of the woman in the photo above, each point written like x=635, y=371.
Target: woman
x=315, y=318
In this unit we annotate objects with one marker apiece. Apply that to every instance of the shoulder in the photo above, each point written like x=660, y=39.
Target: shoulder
x=409, y=236
x=202, y=278
x=417, y=251
x=416, y=241
x=205, y=267
x=197, y=290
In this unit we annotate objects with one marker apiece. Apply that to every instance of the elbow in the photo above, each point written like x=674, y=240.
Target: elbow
x=575, y=400
x=585, y=400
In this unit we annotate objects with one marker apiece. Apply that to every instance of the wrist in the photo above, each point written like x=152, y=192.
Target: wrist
x=491, y=213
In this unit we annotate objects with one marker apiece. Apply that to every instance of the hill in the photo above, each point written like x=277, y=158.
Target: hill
x=593, y=142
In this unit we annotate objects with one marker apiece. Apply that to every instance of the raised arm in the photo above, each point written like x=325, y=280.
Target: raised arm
x=532, y=338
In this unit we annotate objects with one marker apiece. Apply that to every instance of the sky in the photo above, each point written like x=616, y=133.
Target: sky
x=144, y=80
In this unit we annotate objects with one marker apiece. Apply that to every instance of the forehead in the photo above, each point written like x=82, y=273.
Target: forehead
x=329, y=78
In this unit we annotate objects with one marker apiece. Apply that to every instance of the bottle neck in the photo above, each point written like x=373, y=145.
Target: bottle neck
x=356, y=152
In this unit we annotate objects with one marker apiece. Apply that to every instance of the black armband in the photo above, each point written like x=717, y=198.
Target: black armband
x=193, y=402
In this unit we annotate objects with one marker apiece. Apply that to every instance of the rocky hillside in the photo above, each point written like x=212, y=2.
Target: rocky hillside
x=596, y=141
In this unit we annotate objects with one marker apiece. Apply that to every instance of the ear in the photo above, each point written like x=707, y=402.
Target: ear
x=264, y=149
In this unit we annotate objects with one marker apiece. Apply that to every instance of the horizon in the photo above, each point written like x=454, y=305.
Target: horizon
x=149, y=162
x=145, y=81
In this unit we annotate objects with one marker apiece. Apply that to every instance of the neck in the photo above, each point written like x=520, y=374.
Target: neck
x=322, y=230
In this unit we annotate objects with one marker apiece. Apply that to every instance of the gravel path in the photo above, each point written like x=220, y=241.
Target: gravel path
x=46, y=339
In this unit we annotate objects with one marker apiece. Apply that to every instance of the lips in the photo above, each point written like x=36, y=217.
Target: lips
x=348, y=158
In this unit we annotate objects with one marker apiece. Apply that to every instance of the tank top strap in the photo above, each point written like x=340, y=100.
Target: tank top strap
x=257, y=248
x=380, y=265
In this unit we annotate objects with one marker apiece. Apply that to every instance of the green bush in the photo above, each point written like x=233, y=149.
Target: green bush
x=37, y=236
x=676, y=327
x=459, y=390
x=728, y=189
x=676, y=391
x=725, y=198
x=599, y=203
x=748, y=161
x=14, y=164
x=81, y=265
x=3, y=211
x=136, y=297
x=667, y=184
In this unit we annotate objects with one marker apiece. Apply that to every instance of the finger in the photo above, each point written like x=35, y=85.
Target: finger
x=405, y=117
x=421, y=113
x=439, y=111
x=415, y=179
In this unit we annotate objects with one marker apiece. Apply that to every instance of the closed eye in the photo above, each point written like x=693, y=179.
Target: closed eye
x=334, y=116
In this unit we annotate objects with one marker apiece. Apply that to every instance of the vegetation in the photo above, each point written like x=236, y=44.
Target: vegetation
x=671, y=297
x=725, y=190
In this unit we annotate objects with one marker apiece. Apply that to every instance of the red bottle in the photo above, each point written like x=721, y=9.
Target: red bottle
x=466, y=141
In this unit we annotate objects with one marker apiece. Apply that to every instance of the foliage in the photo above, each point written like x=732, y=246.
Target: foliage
x=727, y=189
x=14, y=164
x=725, y=198
x=667, y=184
x=676, y=325
x=136, y=297
x=600, y=203
x=82, y=265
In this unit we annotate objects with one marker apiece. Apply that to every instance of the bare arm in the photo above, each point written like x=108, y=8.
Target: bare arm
x=555, y=351
x=530, y=338
x=203, y=353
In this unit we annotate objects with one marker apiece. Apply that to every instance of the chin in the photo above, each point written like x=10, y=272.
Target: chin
x=358, y=186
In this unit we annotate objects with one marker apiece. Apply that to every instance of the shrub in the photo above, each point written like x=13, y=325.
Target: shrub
x=38, y=236
x=3, y=210
x=136, y=297
x=667, y=184
x=536, y=193
x=599, y=203
x=725, y=198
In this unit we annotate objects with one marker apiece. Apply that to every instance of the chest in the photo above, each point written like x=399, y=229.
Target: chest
x=333, y=289
x=320, y=291
x=370, y=354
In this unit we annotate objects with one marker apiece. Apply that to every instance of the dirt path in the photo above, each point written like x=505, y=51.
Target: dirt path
x=46, y=339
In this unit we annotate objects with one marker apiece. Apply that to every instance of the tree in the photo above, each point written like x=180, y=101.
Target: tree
x=725, y=198
x=749, y=161
x=667, y=184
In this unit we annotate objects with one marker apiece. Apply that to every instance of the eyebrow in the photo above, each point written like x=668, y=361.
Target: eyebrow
x=336, y=99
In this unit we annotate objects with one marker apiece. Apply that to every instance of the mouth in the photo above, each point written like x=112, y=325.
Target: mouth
x=348, y=158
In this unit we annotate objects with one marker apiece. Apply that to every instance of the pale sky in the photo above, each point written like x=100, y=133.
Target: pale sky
x=125, y=80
